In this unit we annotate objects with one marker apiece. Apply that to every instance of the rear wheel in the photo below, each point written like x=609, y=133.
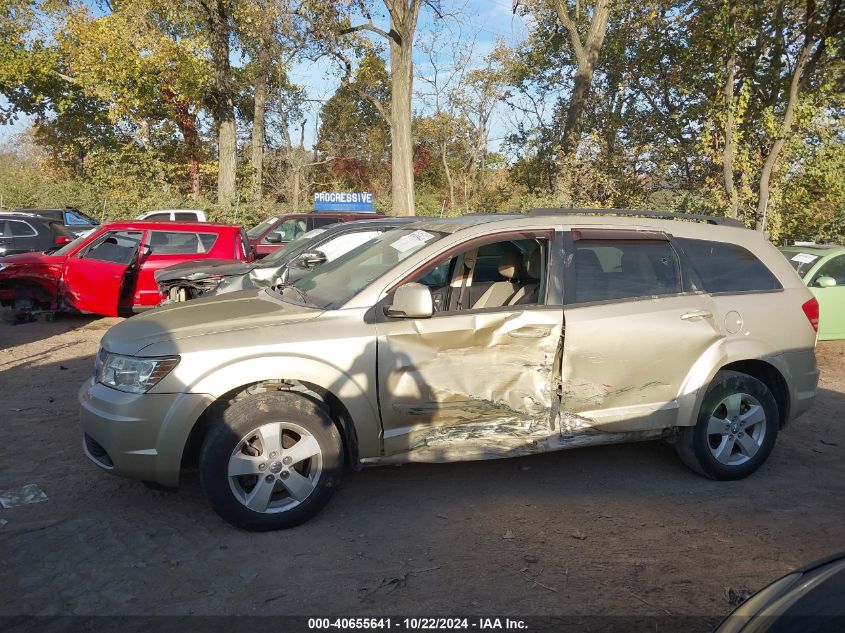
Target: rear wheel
x=272, y=461
x=736, y=428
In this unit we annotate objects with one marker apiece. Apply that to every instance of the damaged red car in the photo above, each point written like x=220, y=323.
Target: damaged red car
x=110, y=271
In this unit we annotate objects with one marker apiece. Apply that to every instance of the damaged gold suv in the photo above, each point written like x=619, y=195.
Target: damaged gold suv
x=460, y=339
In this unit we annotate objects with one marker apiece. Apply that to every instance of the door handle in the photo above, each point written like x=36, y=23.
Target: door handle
x=696, y=315
x=530, y=331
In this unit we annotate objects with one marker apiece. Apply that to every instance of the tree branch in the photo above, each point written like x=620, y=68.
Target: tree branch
x=347, y=81
x=565, y=19
x=369, y=26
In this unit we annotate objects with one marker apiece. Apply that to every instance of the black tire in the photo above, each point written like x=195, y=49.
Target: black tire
x=694, y=442
x=242, y=419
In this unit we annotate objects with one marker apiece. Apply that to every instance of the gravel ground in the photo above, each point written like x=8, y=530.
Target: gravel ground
x=617, y=530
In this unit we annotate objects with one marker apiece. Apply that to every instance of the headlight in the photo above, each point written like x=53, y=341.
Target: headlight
x=132, y=374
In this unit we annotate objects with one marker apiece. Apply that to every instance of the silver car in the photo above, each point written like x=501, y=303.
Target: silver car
x=462, y=339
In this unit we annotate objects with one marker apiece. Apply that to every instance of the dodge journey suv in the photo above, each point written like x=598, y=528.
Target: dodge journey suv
x=463, y=339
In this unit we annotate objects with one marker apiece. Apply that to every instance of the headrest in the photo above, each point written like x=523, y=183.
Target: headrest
x=587, y=260
x=534, y=264
x=509, y=265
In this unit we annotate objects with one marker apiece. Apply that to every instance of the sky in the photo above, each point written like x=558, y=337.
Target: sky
x=482, y=22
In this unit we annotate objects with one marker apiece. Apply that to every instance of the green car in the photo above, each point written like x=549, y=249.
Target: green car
x=823, y=269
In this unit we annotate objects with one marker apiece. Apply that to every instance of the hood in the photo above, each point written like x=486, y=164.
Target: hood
x=202, y=268
x=164, y=326
x=34, y=257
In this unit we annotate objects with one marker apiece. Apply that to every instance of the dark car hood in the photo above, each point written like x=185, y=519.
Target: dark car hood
x=200, y=269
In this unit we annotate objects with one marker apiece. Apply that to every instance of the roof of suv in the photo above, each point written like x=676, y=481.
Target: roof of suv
x=12, y=215
x=663, y=221
x=196, y=227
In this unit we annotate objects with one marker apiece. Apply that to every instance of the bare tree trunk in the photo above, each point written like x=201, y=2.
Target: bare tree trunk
x=728, y=92
x=217, y=19
x=448, y=174
x=587, y=55
x=403, y=24
x=402, y=154
x=780, y=141
x=259, y=110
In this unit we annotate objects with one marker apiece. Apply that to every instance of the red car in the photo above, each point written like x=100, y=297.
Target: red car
x=110, y=270
x=276, y=231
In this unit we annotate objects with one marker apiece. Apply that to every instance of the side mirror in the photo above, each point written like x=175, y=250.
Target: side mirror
x=311, y=259
x=825, y=282
x=273, y=238
x=411, y=301
x=146, y=249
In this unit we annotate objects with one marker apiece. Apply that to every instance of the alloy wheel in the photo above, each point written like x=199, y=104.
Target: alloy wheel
x=275, y=467
x=736, y=429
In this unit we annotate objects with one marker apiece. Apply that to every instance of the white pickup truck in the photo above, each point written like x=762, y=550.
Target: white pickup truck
x=173, y=215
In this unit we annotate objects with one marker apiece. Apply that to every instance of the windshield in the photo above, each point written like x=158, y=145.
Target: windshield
x=67, y=248
x=334, y=283
x=291, y=248
x=801, y=262
x=258, y=230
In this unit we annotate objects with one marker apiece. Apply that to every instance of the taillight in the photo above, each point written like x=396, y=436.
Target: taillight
x=811, y=309
x=61, y=239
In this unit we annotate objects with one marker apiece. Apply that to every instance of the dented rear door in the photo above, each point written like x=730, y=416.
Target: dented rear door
x=635, y=326
x=471, y=384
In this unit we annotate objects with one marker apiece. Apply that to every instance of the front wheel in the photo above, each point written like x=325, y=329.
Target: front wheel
x=272, y=461
x=736, y=428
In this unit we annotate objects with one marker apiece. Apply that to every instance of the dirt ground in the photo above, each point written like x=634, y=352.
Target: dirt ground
x=617, y=530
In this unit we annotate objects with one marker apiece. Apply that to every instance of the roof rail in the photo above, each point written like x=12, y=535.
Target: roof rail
x=663, y=215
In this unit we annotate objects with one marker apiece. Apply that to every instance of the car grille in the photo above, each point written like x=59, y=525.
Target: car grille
x=97, y=453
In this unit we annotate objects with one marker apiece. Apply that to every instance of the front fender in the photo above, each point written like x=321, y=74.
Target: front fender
x=354, y=388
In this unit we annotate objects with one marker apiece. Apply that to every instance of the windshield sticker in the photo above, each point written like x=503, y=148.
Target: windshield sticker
x=805, y=258
x=412, y=240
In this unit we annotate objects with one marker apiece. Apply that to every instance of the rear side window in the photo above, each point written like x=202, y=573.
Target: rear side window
x=724, y=267
x=624, y=269
x=186, y=217
x=181, y=243
x=21, y=229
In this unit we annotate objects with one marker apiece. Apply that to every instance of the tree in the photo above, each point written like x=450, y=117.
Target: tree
x=354, y=137
x=400, y=39
x=217, y=18
x=145, y=62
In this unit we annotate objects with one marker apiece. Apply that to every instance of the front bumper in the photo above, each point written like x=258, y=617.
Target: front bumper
x=140, y=436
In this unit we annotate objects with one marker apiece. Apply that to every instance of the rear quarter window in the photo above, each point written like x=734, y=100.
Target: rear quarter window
x=725, y=268
x=181, y=242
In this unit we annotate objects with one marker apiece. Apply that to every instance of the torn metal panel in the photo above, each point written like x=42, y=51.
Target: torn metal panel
x=481, y=442
x=467, y=375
